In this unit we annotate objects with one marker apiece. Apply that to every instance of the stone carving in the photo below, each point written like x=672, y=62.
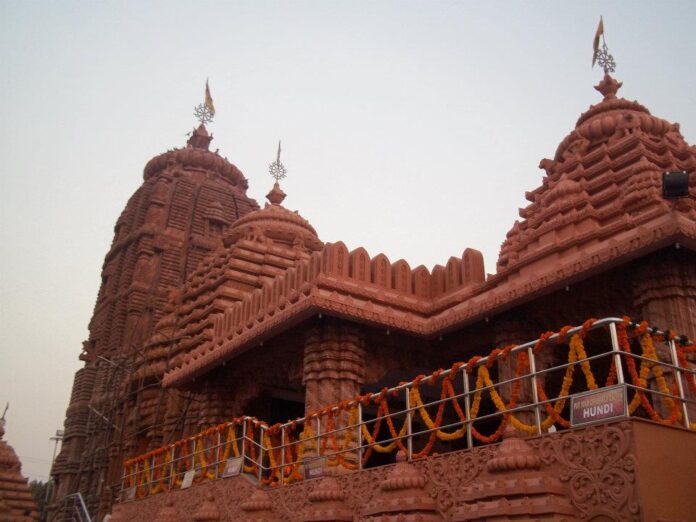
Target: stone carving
x=258, y=508
x=449, y=475
x=598, y=466
x=208, y=511
x=168, y=513
x=403, y=497
x=327, y=503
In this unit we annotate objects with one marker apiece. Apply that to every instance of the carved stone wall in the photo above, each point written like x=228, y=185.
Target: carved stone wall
x=587, y=474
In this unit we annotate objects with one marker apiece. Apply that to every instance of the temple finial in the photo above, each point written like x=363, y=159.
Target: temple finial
x=602, y=56
x=205, y=111
x=277, y=171
x=608, y=87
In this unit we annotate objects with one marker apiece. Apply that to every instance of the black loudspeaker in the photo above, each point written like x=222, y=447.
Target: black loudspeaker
x=675, y=185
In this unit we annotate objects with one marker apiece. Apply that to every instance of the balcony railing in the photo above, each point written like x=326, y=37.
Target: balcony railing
x=604, y=369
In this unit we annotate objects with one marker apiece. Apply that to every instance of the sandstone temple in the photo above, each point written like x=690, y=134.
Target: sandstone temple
x=240, y=368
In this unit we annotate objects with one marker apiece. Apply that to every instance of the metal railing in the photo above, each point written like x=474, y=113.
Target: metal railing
x=536, y=383
x=75, y=508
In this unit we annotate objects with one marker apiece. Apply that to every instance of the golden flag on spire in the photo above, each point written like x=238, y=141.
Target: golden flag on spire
x=209, y=100
x=595, y=44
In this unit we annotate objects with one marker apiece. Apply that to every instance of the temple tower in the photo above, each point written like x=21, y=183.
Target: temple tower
x=178, y=215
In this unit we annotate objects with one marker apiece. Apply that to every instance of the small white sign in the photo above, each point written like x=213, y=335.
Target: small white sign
x=314, y=468
x=233, y=467
x=188, y=479
x=130, y=494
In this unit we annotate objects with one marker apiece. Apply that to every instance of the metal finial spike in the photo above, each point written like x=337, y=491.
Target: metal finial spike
x=602, y=56
x=205, y=111
x=203, y=114
x=277, y=169
x=605, y=59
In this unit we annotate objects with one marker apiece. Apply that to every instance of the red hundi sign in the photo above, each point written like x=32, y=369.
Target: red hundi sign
x=598, y=405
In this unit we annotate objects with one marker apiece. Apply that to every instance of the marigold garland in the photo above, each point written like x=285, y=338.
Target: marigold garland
x=160, y=469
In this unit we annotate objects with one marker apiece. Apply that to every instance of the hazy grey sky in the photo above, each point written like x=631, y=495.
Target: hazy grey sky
x=409, y=128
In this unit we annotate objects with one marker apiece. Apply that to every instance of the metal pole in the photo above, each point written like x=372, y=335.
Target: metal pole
x=680, y=385
x=467, y=410
x=617, y=353
x=262, y=431
x=152, y=476
x=535, y=392
x=282, y=455
x=136, y=480
x=58, y=437
x=217, y=455
x=360, y=442
x=123, y=486
x=244, y=425
x=409, y=427
x=193, y=455
x=172, y=467
x=318, y=435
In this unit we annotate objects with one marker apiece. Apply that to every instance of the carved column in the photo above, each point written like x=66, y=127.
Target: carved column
x=516, y=331
x=334, y=369
x=664, y=293
x=334, y=364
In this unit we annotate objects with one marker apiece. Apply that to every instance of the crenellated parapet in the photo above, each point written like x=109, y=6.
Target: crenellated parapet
x=349, y=284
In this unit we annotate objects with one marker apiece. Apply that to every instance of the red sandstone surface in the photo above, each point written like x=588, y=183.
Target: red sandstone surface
x=16, y=501
x=211, y=307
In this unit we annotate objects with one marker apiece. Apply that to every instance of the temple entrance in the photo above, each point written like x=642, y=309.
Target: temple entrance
x=276, y=405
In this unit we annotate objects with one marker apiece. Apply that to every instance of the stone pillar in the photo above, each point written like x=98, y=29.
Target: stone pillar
x=664, y=293
x=334, y=369
x=516, y=331
x=334, y=364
